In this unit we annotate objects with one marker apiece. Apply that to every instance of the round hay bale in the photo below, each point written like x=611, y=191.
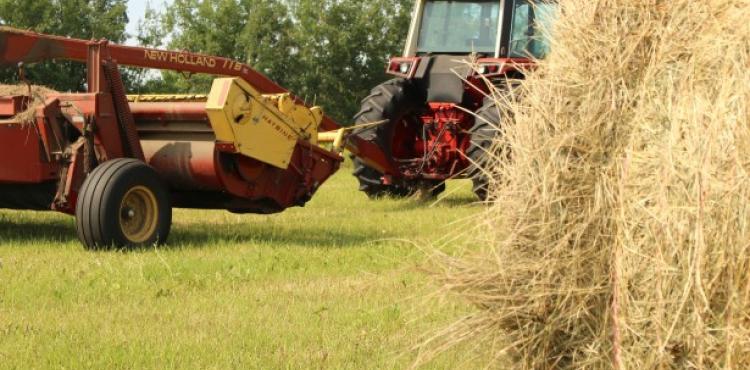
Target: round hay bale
x=620, y=232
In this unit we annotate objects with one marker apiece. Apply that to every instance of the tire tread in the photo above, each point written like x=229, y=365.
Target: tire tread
x=92, y=218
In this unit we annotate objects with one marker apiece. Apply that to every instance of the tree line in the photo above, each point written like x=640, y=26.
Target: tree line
x=330, y=52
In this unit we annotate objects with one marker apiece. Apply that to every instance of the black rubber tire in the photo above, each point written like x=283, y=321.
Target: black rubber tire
x=388, y=101
x=98, y=218
x=483, y=134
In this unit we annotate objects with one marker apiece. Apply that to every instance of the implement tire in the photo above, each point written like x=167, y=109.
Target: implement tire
x=390, y=102
x=123, y=203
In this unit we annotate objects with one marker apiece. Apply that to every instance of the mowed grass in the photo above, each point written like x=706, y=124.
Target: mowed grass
x=336, y=285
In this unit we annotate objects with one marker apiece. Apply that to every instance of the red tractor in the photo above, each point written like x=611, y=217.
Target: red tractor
x=437, y=119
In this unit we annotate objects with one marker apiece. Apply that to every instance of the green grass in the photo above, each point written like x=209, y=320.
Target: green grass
x=333, y=285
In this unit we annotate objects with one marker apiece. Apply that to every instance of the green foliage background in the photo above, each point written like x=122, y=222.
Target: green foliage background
x=74, y=18
x=331, y=52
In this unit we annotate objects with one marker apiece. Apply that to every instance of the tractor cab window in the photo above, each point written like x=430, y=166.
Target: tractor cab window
x=459, y=27
x=530, y=19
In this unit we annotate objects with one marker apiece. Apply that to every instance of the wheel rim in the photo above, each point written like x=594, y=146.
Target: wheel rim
x=139, y=214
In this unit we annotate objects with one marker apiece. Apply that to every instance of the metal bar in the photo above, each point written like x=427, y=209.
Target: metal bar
x=29, y=47
x=169, y=112
x=122, y=108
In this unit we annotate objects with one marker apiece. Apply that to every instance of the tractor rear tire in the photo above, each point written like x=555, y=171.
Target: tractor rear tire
x=483, y=135
x=387, y=102
x=123, y=203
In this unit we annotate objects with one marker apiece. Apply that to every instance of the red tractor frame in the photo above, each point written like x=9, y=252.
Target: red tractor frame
x=439, y=118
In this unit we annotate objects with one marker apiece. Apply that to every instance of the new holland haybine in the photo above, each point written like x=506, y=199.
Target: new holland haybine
x=120, y=163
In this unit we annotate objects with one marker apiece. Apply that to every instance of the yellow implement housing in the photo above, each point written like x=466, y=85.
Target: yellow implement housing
x=263, y=127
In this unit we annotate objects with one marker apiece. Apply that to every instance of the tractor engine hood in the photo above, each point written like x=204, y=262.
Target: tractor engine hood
x=443, y=77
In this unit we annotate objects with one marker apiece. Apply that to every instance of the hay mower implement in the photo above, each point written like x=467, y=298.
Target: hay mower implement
x=120, y=163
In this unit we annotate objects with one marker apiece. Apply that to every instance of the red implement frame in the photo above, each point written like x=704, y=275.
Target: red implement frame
x=18, y=46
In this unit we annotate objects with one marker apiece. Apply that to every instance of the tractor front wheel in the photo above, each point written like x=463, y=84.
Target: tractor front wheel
x=123, y=203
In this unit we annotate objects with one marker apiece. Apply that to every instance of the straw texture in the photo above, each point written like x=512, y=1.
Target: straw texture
x=619, y=233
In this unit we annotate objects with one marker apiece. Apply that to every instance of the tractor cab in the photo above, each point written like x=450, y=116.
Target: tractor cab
x=490, y=33
x=499, y=29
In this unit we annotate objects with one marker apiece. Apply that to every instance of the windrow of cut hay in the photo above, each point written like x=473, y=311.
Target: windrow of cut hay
x=620, y=228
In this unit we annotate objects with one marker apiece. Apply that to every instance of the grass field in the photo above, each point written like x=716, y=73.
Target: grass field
x=334, y=285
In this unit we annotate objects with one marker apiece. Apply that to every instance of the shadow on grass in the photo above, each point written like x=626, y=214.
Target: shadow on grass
x=409, y=204
x=204, y=236
x=37, y=232
x=456, y=202
x=273, y=236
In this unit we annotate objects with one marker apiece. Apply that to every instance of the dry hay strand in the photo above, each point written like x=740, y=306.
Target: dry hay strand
x=39, y=95
x=619, y=234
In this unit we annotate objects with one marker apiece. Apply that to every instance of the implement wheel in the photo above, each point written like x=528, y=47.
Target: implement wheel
x=123, y=203
x=394, y=103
